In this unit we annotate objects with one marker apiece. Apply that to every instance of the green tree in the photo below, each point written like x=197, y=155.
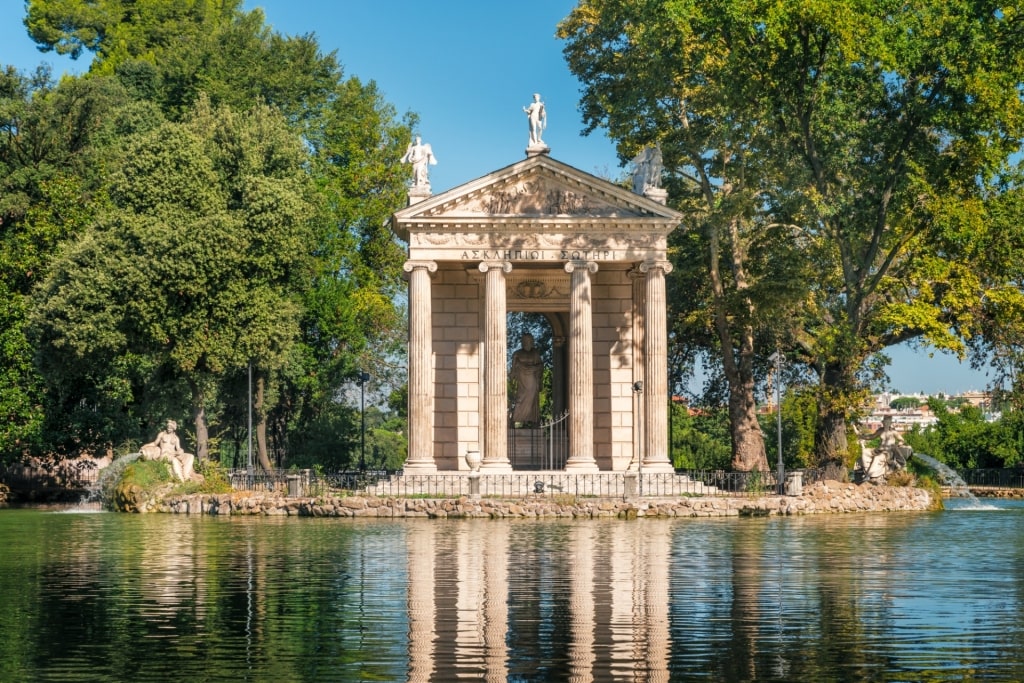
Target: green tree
x=56, y=147
x=905, y=402
x=874, y=137
x=193, y=272
x=664, y=73
x=700, y=440
x=115, y=30
x=966, y=440
x=349, y=316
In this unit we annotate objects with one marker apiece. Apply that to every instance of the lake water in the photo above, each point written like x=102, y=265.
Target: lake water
x=879, y=597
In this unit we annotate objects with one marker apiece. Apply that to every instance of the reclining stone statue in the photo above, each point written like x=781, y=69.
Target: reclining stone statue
x=889, y=456
x=167, y=446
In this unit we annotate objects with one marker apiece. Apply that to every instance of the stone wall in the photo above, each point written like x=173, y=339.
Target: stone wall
x=821, y=498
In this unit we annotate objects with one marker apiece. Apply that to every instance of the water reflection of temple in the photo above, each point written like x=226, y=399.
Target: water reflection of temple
x=591, y=606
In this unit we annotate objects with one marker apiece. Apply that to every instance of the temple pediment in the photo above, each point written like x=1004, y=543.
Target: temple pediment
x=536, y=195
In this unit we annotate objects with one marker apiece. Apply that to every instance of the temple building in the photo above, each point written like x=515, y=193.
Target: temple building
x=542, y=237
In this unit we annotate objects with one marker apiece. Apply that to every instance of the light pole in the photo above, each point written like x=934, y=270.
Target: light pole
x=364, y=377
x=248, y=436
x=638, y=389
x=777, y=357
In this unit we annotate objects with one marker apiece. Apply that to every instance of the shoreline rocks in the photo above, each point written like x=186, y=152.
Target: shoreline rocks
x=829, y=497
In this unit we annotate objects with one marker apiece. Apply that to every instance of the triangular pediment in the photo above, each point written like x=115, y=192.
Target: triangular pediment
x=535, y=192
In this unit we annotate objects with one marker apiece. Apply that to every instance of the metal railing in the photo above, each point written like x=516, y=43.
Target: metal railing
x=72, y=475
x=1004, y=478
x=545, y=447
x=704, y=483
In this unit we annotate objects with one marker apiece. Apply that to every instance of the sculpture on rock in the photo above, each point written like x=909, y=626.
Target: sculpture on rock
x=167, y=446
x=647, y=168
x=889, y=456
x=527, y=373
x=419, y=155
x=538, y=117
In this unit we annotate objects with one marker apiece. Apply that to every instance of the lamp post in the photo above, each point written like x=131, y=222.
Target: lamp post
x=777, y=357
x=364, y=377
x=248, y=436
x=638, y=389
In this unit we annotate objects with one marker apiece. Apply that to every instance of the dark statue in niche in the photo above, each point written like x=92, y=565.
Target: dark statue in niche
x=527, y=373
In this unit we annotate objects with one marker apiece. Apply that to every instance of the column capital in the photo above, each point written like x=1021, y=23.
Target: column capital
x=589, y=266
x=654, y=264
x=413, y=264
x=504, y=266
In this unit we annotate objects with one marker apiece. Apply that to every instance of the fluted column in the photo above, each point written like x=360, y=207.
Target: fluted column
x=421, y=374
x=638, y=279
x=581, y=368
x=495, y=446
x=655, y=368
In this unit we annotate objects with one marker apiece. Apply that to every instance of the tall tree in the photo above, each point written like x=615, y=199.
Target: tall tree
x=54, y=154
x=194, y=272
x=657, y=75
x=116, y=30
x=349, y=313
x=874, y=131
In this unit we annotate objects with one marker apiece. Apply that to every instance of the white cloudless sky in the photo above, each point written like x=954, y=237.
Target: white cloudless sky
x=467, y=68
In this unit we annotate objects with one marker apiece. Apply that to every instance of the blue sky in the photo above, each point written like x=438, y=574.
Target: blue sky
x=468, y=67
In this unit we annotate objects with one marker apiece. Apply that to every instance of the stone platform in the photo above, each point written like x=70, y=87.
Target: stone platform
x=829, y=497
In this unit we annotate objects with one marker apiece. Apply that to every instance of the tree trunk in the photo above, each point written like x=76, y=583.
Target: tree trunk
x=748, y=451
x=199, y=420
x=830, y=445
x=261, y=422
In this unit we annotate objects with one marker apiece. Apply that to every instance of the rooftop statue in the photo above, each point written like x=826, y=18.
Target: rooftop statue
x=647, y=168
x=538, y=118
x=419, y=154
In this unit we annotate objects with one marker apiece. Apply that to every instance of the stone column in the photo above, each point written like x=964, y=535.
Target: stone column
x=655, y=457
x=421, y=374
x=638, y=279
x=495, y=427
x=558, y=376
x=581, y=369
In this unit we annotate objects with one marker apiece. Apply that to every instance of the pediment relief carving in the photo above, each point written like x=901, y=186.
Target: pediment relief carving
x=527, y=241
x=535, y=197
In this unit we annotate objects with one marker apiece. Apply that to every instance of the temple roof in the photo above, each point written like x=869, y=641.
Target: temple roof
x=536, y=195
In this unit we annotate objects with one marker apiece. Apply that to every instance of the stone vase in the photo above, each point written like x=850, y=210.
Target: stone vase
x=473, y=460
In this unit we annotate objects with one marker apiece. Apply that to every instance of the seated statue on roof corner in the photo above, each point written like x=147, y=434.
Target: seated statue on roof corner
x=890, y=456
x=167, y=446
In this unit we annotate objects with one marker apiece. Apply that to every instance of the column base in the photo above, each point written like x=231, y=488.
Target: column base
x=582, y=467
x=496, y=468
x=419, y=468
x=660, y=467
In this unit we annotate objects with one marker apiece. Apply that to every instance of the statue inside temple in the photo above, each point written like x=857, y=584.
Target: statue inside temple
x=527, y=373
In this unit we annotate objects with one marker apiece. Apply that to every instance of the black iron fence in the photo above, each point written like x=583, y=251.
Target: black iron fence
x=1004, y=478
x=715, y=483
